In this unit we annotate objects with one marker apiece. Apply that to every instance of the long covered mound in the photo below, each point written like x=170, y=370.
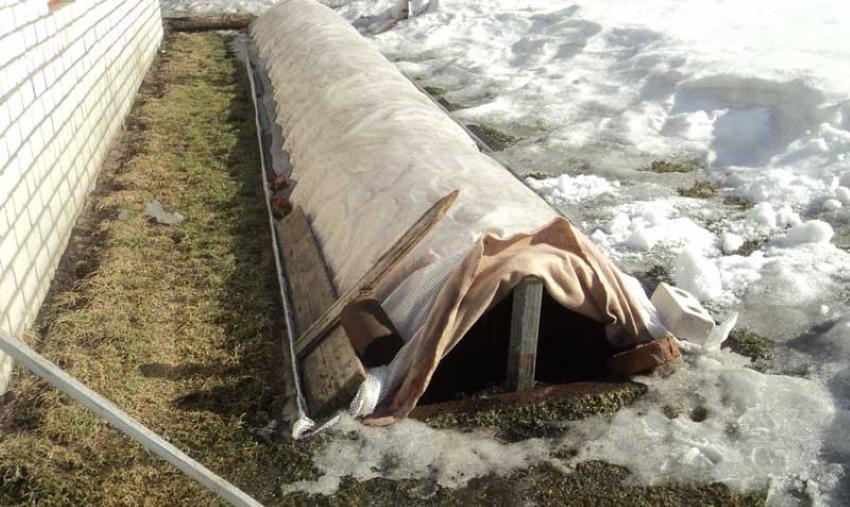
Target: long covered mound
x=369, y=154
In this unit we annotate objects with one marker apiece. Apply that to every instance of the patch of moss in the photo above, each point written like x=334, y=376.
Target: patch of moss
x=655, y=276
x=514, y=423
x=589, y=483
x=600, y=483
x=673, y=166
x=750, y=246
x=739, y=202
x=699, y=190
x=492, y=137
x=434, y=90
x=439, y=95
x=749, y=344
x=537, y=175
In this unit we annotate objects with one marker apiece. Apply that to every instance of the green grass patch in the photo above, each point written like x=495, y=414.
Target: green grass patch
x=538, y=175
x=699, y=190
x=655, y=276
x=434, y=90
x=749, y=344
x=590, y=483
x=494, y=138
x=750, y=246
x=738, y=202
x=541, y=420
x=440, y=95
x=673, y=166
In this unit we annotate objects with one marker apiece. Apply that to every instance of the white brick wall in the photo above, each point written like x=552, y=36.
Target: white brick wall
x=68, y=76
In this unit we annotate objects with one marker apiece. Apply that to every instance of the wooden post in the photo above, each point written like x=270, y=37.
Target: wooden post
x=118, y=418
x=525, y=325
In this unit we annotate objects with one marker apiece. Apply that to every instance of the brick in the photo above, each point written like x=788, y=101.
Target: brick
x=8, y=286
x=67, y=78
x=8, y=248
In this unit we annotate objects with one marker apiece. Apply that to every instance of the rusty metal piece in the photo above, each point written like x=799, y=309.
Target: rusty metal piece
x=280, y=183
x=281, y=206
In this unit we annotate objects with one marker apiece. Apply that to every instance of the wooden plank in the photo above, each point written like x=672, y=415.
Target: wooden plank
x=206, y=22
x=313, y=336
x=118, y=418
x=306, y=270
x=525, y=325
x=332, y=372
x=643, y=357
x=306, y=279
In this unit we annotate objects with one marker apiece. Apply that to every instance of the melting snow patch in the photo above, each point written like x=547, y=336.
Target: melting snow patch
x=566, y=189
x=641, y=226
x=717, y=421
x=412, y=450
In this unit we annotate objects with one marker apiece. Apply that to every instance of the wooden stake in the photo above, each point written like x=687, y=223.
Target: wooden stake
x=525, y=325
x=69, y=385
x=330, y=319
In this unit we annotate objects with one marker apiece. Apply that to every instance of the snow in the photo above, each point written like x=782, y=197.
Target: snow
x=412, y=450
x=843, y=195
x=813, y=231
x=747, y=414
x=754, y=94
x=644, y=224
x=566, y=189
x=660, y=438
x=698, y=275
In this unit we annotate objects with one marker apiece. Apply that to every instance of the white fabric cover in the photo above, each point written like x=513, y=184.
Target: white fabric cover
x=374, y=153
x=369, y=154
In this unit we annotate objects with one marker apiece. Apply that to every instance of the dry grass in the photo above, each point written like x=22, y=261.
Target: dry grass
x=174, y=324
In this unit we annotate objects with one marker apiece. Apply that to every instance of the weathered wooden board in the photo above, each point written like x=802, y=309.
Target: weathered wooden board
x=306, y=271
x=525, y=326
x=204, y=22
x=313, y=336
x=643, y=357
x=331, y=372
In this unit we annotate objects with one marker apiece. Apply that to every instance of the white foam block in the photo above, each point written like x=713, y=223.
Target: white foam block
x=682, y=313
